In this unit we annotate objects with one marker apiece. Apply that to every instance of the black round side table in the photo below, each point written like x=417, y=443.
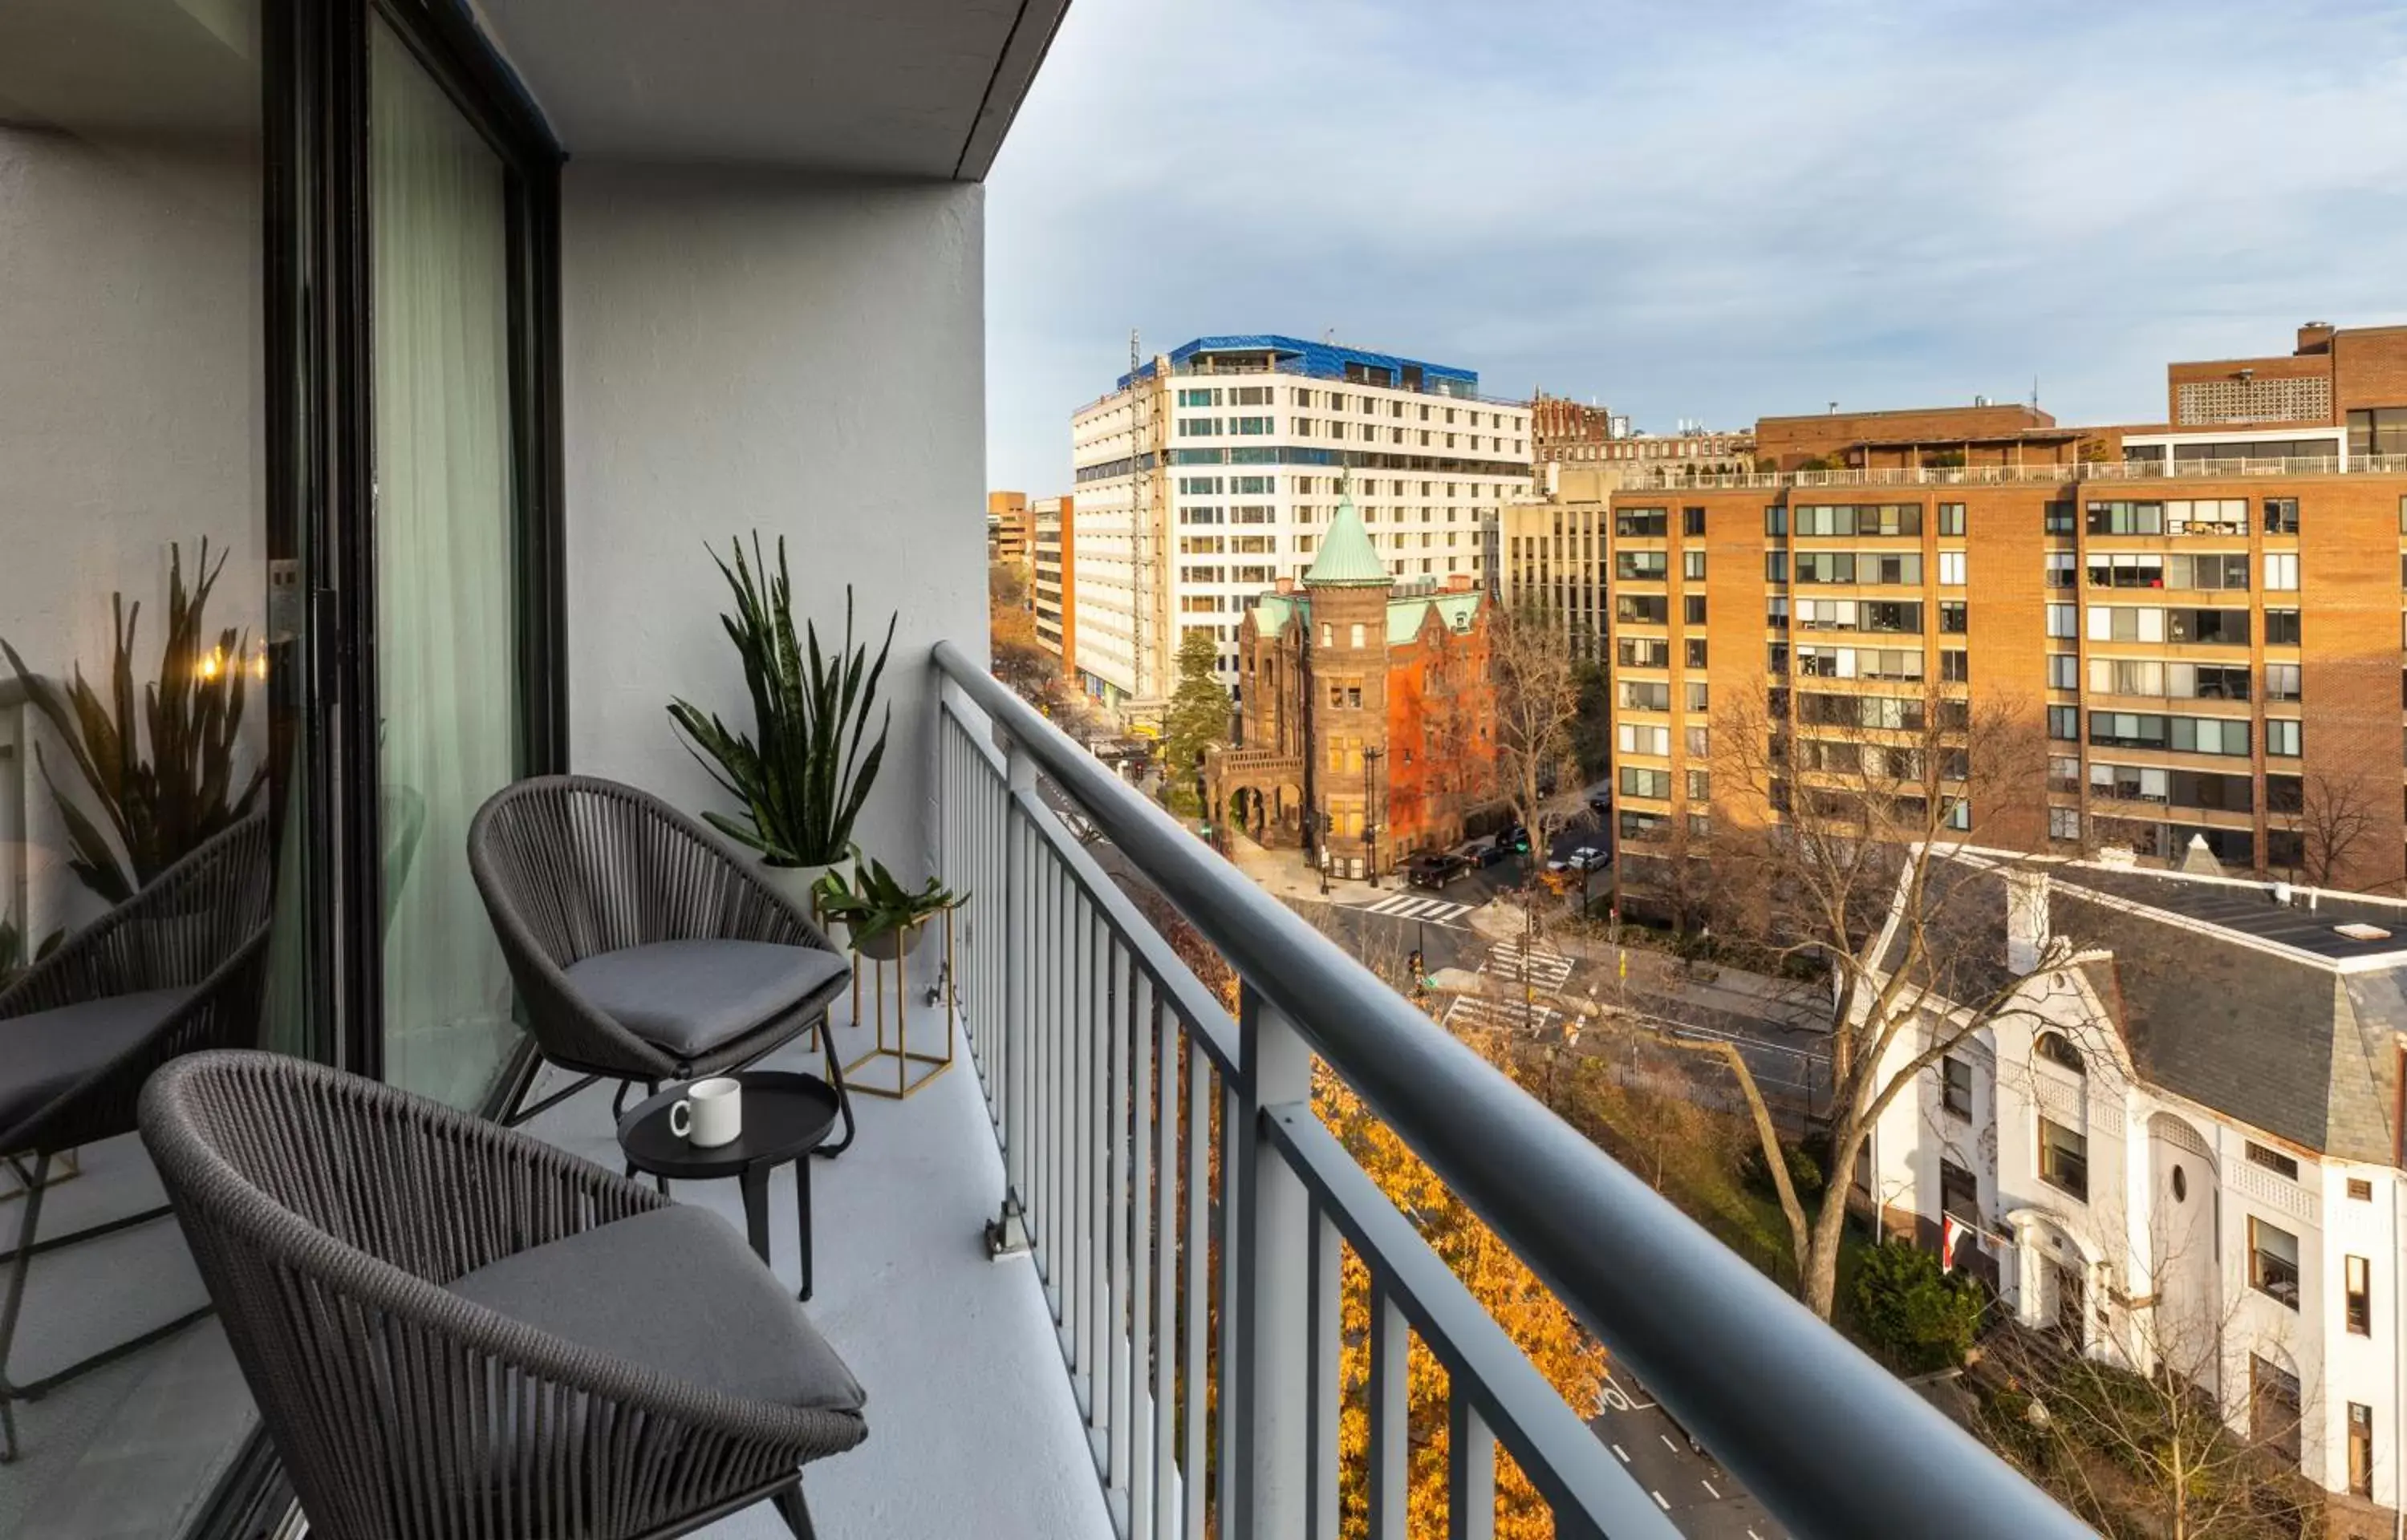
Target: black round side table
x=786, y=1116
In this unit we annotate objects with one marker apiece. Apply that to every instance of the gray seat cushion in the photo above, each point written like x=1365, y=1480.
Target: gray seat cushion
x=677, y=1291
x=43, y=1055
x=692, y=996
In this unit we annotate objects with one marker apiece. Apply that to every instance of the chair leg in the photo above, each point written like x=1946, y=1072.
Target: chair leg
x=792, y=1509
x=842, y=1097
x=15, y=1302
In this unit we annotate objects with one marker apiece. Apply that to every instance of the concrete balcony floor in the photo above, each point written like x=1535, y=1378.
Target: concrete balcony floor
x=972, y=1429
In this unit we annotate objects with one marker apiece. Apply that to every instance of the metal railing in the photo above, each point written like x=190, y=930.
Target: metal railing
x=1671, y=477
x=1188, y=1213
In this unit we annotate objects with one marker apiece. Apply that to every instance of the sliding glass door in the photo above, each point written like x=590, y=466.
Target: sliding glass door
x=450, y=702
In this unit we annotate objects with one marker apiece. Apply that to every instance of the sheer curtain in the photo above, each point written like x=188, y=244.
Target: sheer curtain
x=445, y=521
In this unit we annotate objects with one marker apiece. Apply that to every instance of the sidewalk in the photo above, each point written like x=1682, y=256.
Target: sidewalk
x=1282, y=873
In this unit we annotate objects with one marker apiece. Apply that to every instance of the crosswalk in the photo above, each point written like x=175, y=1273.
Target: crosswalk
x=1411, y=906
x=1480, y=1012
x=1538, y=964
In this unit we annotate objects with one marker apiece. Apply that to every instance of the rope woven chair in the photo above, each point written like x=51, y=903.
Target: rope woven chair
x=454, y=1330
x=177, y=968
x=643, y=946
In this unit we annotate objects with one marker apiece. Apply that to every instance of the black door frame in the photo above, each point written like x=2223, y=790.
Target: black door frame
x=328, y=85
x=319, y=434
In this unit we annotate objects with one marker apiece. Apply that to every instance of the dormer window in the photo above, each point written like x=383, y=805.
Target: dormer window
x=2054, y=1047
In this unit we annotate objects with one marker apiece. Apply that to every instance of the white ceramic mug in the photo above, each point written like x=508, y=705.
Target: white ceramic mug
x=710, y=1113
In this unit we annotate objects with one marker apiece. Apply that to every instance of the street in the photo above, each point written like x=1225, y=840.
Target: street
x=1704, y=1500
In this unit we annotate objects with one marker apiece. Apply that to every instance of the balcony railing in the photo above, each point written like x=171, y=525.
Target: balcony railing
x=1187, y=1210
x=1646, y=478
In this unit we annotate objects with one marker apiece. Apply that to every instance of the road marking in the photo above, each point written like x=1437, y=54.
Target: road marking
x=1406, y=906
x=1623, y=1453
x=1659, y=1500
x=1667, y=1442
x=1709, y=1487
x=1631, y=1402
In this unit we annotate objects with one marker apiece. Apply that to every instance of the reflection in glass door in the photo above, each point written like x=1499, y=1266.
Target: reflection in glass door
x=447, y=671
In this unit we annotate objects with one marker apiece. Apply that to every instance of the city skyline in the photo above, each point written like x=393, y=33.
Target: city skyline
x=1681, y=232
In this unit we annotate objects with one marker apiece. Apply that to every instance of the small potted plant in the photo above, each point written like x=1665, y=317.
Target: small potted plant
x=884, y=917
x=802, y=784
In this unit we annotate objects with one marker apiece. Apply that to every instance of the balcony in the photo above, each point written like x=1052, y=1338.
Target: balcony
x=1675, y=477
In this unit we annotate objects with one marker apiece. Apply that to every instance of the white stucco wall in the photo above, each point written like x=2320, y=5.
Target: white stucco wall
x=754, y=349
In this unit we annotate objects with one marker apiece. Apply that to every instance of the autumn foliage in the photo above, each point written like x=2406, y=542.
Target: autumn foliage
x=1572, y=1362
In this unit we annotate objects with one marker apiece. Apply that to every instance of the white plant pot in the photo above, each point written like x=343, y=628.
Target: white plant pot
x=794, y=883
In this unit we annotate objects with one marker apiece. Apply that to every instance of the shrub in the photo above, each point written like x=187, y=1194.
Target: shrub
x=1923, y=1319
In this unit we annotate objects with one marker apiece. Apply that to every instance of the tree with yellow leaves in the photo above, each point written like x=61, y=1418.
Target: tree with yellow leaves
x=1527, y=1310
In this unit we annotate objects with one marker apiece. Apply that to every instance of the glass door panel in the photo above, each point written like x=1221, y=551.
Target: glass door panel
x=448, y=681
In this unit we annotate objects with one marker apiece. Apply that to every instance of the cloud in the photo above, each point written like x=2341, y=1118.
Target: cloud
x=1705, y=211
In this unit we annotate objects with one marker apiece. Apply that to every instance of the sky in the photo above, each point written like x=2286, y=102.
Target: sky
x=1707, y=211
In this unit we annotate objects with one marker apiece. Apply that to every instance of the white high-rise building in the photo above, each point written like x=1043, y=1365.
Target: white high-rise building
x=1208, y=475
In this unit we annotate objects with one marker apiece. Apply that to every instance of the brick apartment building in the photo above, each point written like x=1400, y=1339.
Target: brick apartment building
x=1366, y=711
x=1007, y=528
x=1568, y=433
x=2204, y=617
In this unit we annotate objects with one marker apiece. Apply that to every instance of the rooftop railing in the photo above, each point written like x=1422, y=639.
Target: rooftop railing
x=1187, y=1212
x=1673, y=477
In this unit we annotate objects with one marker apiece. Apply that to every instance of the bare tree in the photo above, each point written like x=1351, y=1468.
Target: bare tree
x=2338, y=827
x=2140, y=1438
x=1836, y=859
x=1537, y=700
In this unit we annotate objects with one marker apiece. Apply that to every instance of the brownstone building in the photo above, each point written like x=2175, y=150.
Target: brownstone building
x=2204, y=620
x=1569, y=434
x=1366, y=711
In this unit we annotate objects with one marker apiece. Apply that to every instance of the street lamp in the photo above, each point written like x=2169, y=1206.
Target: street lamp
x=1371, y=810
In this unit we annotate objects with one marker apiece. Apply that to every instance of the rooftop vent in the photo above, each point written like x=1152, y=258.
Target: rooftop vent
x=2357, y=930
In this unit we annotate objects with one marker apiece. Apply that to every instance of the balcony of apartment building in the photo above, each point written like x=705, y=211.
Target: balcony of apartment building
x=367, y=457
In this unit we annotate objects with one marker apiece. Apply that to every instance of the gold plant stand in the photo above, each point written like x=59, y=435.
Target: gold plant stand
x=911, y=1070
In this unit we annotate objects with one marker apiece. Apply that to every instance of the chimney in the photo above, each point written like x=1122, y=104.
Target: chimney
x=1284, y=585
x=2026, y=921
x=2315, y=337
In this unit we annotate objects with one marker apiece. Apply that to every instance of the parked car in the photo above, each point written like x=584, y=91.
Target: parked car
x=1485, y=852
x=1601, y=804
x=1585, y=858
x=1432, y=869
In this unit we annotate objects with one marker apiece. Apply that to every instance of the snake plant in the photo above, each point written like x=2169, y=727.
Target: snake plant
x=161, y=805
x=802, y=781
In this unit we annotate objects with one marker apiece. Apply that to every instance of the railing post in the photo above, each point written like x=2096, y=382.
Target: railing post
x=1272, y=1400
x=1008, y=1231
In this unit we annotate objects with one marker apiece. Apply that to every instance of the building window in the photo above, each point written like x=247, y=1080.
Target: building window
x=1357, y=633
x=1951, y=569
x=1951, y=519
x=1692, y=522
x=2358, y=1274
x=1954, y=665
x=1696, y=652
x=1697, y=741
x=2064, y=1159
x=2064, y=722
x=2272, y=1160
x=2274, y=1406
x=1701, y=785
x=2064, y=824
x=1692, y=609
x=2273, y=1261
x=2282, y=737
x=1692, y=565
x=1956, y=1086
x=2063, y=671
x=2060, y=620
x=2280, y=572
x=2361, y=1449
x=2281, y=628
x=2360, y=1190
x=2281, y=515
x=1776, y=518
